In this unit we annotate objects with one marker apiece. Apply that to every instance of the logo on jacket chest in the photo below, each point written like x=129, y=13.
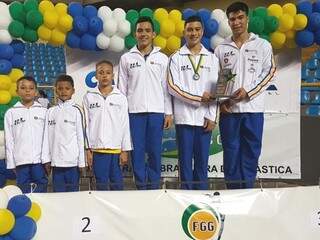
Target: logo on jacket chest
x=51, y=122
x=94, y=105
x=19, y=121
x=185, y=67
x=134, y=65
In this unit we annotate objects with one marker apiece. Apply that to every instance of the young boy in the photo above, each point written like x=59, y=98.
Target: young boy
x=63, y=144
x=107, y=128
x=24, y=127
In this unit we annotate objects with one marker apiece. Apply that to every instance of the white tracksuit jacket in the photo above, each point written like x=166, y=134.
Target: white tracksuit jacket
x=254, y=67
x=143, y=81
x=107, y=120
x=24, y=128
x=187, y=92
x=63, y=143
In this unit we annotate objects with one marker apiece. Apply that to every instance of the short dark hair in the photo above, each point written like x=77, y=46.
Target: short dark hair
x=43, y=94
x=104, y=62
x=28, y=78
x=64, y=78
x=144, y=19
x=193, y=18
x=236, y=7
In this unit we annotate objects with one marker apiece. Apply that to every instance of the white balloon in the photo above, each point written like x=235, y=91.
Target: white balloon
x=3, y=199
x=2, y=153
x=119, y=14
x=218, y=15
x=5, y=37
x=116, y=44
x=110, y=27
x=12, y=191
x=104, y=13
x=215, y=41
x=5, y=21
x=124, y=28
x=224, y=29
x=1, y=138
x=103, y=41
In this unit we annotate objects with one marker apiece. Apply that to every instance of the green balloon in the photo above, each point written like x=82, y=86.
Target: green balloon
x=265, y=36
x=30, y=5
x=260, y=12
x=13, y=101
x=271, y=24
x=130, y=41
x=132, y=15
x=146, y=12
x=17, y=12
x=34, y=19
x=3, y=110
x=16, y=29
x=156, y=26
x=250, y=14
x=133, y=25
x=256, y=25
x=30, y=35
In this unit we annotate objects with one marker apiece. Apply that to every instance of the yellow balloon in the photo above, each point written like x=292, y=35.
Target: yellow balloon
x=13, y=90
x=300, y=22
x=167, y=28
x=50, y=19
x=61, y=8
x=65, y=23
x=5, y=82
x=15, y=74
x=175, y=15
x=5, y=97
x=7, y=221
x=290, y=34
x=160, y=14
x=179, y=29
x=290, y=43
x=34, y=212
x=46, y=6
x=57, y=37
x=167, y=51
x=289, y=8
x=160, y=42
x=275, y=10
x=277, y=39
x=285, y=23
x=44, y=33
x=173, y=43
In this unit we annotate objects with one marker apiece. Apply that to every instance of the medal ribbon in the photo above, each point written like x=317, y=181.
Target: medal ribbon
x=196, y=68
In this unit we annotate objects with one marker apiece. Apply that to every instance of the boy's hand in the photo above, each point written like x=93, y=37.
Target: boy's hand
x=82, y=171
x=123, y=158
x=89, y=158
x=47, y=168
x=208, y=125
x=167, y=121
x=207, y=97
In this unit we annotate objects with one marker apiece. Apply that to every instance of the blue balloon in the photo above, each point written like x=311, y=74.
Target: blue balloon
x=19, y=205
x=18, y=61
x=90, y=12
x=6, y=237
x=5, y=66
x=188, y=12
x=204, y=14
x=313, y=110
x=75, y=9
x=88, y=42
x=6, y=51
x=305, y=8
x=80, y=25
x=304, y=38
x=211, y=27
x=18, y=46
x=206, y=42
x=316, y=6
x=89, y=81
x=314, y=21
x=305, y=97
x=95, y=26
x=24, y=229
x=73, y=40
x=317, y=40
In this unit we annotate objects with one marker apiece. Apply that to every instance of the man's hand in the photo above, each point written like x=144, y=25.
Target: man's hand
x=225, y=106
x=167, y=121
x=208, y=125
x=123, y=158
x=89, y=157
x=47, y=168
x=240, y=95
x=207, y=97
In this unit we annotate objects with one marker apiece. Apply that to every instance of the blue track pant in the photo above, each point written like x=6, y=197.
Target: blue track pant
x=65, y=179
x=193, y=143
x=146, y=132
x=241, y=136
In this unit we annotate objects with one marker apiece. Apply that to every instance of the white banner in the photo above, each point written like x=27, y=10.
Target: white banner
x=280, y=157
x=277, y=214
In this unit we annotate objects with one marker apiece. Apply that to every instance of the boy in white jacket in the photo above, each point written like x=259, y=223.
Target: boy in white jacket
x=63, y=144
x=107, y=129
x=24, y=127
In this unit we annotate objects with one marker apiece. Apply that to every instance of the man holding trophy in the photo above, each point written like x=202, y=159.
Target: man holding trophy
x=246, y=68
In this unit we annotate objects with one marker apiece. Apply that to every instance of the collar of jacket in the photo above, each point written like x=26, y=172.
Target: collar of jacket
x=20, y=105
x=135, y=49
x=184, y=50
